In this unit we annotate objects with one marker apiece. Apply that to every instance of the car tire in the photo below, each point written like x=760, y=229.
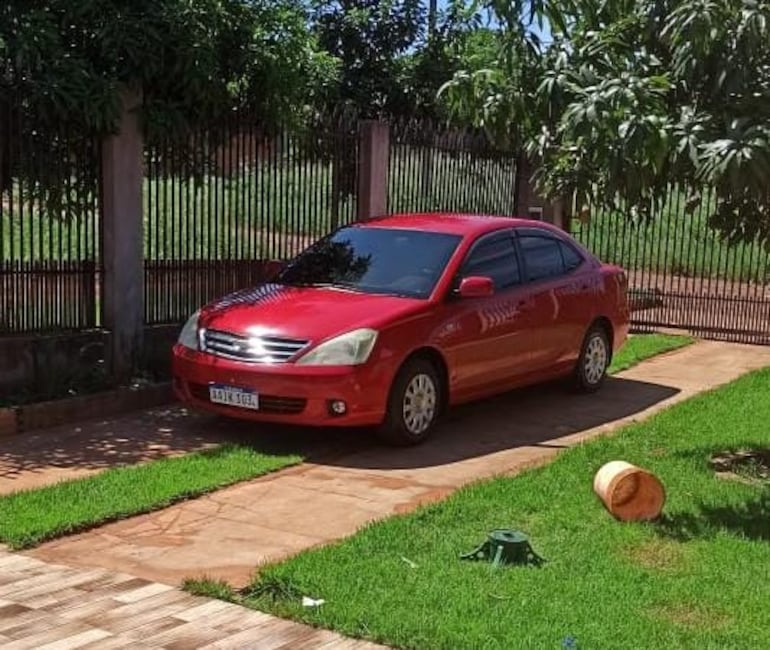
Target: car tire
x=414, y=404
x=593, y=362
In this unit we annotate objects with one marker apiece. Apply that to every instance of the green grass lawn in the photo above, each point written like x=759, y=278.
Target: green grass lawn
x=644, y=346
x=30, y=517
x=694, y=579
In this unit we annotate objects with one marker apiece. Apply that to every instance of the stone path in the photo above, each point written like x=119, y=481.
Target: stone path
x=349, y=481
x=49, y=607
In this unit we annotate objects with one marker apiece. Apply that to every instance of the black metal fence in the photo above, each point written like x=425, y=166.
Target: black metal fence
x=49, y=228
x=440, y=169
x=682, y=274
x=222, y=205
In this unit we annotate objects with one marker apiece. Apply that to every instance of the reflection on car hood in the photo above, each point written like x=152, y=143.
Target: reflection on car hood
x=312, y=313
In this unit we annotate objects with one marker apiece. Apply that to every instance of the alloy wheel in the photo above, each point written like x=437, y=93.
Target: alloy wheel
x=420, y=402
x=596, y=359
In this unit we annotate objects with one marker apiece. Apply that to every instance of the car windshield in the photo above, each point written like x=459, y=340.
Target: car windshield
x=374, y=260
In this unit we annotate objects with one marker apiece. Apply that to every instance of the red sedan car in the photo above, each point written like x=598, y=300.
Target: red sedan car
x=390, y=321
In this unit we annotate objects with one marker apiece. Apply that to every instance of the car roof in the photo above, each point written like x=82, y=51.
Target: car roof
x=448, y=222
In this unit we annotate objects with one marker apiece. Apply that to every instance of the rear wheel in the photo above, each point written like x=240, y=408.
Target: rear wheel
x=594, y=360
x=414, y=404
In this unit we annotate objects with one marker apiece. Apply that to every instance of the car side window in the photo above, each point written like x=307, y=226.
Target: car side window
x=494, y=257
x=572, y=259
x=543, y=256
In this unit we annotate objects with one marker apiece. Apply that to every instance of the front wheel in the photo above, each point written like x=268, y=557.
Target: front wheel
x=413, y=405
x=594, y=360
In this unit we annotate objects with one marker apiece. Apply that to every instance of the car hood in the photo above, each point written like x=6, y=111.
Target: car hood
x=309, y=313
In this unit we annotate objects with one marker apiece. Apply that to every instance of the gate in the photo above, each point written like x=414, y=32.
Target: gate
x=682, y=274
x=435, y=168
x=224, y=203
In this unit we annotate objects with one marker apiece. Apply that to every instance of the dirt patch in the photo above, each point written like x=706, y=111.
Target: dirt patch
x=691, y=615
x=751, y=466
x=713, y=307
x=671, y=283
x=659, y=555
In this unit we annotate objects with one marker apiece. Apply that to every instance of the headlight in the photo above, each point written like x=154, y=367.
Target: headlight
x=349, y=349
x=188, y=337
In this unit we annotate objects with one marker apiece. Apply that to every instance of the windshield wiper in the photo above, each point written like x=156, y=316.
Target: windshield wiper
x=325, y=285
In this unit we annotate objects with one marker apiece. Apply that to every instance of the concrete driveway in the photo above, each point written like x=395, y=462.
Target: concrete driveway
x=348, y=479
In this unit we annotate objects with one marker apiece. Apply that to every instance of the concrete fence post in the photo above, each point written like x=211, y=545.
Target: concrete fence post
x=122, y=238
x=561, y=217
x=521, y=199
x=373, y=158
x=529, y=203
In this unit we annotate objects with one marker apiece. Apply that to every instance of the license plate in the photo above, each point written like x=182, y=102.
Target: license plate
x=232, y=396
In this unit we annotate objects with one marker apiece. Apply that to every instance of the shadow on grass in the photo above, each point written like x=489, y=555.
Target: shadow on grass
x=750, y=520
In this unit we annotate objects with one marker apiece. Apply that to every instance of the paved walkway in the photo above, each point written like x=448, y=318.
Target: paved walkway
x=349, y=481
x=49, y=607
x=38, y=458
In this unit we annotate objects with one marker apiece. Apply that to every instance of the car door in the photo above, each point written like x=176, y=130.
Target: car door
x=487, y=339
x=554, y=272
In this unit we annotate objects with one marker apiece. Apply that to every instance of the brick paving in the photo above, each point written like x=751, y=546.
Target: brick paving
x=51, y=607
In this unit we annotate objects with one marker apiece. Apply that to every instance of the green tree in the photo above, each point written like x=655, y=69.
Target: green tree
x=369, y=37
x=394, y=54
x=631, y=96
x=63, y=65
x=458, y=42
x=65, y=62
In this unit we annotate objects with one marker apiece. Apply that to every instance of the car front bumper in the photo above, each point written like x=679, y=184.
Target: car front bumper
x=288, y=393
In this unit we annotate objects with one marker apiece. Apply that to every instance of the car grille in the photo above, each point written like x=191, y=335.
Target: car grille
x=256, y=349
x=267, y=403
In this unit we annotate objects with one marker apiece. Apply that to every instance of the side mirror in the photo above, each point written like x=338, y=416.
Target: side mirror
x=476, y=286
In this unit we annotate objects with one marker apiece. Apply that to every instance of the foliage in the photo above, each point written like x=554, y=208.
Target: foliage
x=65, y=63
x=64, y=66
x=497, y=96
x=458, y=41
x=368, y=37
x=633, y=95
x=395, y=55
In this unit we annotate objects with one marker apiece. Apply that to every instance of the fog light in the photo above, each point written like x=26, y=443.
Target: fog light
x=337, y=407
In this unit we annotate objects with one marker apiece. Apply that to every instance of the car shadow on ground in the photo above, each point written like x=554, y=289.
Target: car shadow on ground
x=536, y=416
x=532, y=416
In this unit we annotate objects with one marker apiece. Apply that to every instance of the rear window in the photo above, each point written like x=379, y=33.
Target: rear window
x=572, y=259
x=546, y=256
x=542, y=257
